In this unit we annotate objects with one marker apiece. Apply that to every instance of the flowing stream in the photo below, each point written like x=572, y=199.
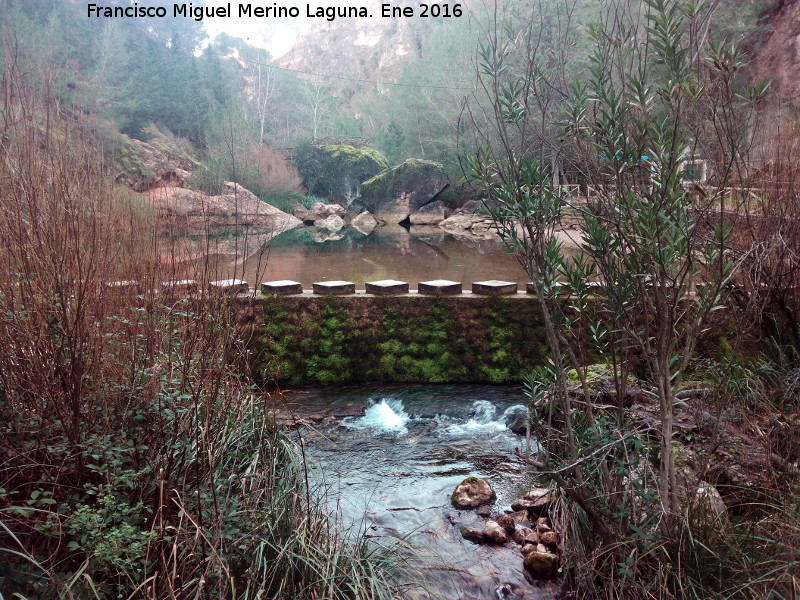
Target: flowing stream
x=391, y=457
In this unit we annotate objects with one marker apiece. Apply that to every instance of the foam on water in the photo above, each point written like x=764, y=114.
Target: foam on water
x=483, y=419
x=388, y=416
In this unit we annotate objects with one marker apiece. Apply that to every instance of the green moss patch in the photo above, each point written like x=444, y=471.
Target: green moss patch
x=385, y=184
x=330, y=340
x=336, y=171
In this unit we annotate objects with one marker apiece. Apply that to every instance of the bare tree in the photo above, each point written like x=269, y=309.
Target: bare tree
x=318, y=104
x=264, y=82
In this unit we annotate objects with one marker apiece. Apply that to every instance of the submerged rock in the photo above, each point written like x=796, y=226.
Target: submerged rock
x=472, y=493
x=472, y=535
x=484, y=511
x=364, y=223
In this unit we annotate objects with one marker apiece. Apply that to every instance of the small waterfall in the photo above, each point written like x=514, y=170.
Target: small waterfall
x=483, y=412
x=483, y=419
x=388, y=415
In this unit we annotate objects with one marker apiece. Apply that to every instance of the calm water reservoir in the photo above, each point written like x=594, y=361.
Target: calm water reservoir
x=308, y=255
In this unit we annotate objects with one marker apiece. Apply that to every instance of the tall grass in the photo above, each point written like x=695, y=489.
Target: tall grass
x=755, y=557
x=135, y=459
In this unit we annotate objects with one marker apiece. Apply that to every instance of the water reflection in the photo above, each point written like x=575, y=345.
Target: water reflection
x=309, y=254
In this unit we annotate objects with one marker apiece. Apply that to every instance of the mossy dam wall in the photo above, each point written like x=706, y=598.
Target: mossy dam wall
x=322, y=339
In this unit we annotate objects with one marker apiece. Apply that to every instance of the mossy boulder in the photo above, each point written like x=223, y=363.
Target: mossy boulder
x=337, y=171
x=394, y=194
x=542, y=565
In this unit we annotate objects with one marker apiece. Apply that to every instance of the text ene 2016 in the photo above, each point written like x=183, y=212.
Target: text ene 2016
x=425, y=10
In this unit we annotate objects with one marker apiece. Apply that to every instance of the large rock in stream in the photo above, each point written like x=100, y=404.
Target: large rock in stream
x=394, y=194
x=472, y=493
x=430, y=214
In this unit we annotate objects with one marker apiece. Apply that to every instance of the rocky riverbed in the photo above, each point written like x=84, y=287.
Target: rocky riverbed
x=391, y=457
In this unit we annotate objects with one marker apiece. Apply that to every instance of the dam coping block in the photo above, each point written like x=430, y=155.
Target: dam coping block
x=386, y=287
x=494, y=287
x=182, y=285
x=440, y=287
x=283, y=287
x=229, y=285
x=336, y=288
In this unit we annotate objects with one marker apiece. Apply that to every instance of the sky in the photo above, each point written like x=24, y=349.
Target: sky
x=277, y=35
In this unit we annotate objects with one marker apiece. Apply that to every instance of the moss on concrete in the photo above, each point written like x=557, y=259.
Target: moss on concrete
x=326, y=340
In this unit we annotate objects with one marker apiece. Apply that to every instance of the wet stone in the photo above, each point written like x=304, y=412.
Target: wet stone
x=229, y=285
x=284, y=287
x=527, y=549
x=472, y=535
x=549, y=538
x=440, y=287
x=494, y=287
x=542, y=565
x=387, y=287
x=472, y=493
x=520, y=517
x=543, y=525
x=484, y=511
x=507, y=523
x=494, y=533
x=524, y=535
x=334, y=288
